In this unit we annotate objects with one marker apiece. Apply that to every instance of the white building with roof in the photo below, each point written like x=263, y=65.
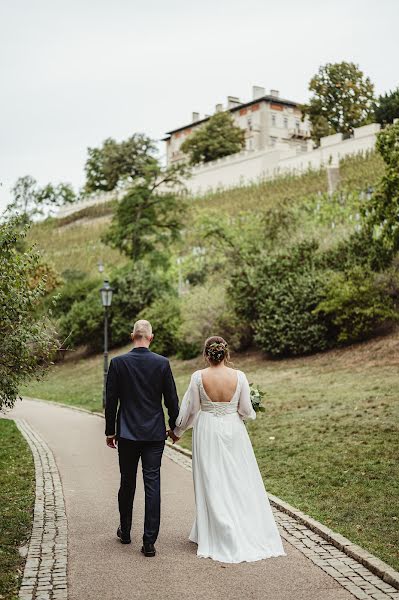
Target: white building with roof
x=269, y=122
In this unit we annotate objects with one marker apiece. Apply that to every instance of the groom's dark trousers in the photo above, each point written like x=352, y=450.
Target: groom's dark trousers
x=136, y=383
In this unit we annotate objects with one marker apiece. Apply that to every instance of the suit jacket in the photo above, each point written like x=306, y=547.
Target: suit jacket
x=137, y=381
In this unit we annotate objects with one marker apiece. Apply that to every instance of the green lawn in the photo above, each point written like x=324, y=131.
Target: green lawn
x=17, y=493
x=328, y=442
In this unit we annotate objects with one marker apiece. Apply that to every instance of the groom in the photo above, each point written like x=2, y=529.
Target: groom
x=137, y=381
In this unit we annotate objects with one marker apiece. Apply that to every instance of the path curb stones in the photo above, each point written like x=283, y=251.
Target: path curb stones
x=45, y=573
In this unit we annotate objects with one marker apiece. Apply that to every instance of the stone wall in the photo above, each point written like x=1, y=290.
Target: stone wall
x=249, y=167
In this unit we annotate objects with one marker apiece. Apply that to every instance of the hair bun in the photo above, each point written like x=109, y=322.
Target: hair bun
x=216, y=351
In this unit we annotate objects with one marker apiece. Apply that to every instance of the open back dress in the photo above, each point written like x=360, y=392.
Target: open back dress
x=234, y=521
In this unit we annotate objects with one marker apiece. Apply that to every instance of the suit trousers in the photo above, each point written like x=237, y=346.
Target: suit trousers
x=130, y=452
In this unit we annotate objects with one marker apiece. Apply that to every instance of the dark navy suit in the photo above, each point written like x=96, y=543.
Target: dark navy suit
x=136, y=383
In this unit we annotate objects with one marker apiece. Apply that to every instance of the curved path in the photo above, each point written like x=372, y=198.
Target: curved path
x=100, y=568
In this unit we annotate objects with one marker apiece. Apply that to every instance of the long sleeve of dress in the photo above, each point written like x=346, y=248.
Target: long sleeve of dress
x=245, y=409
x=189, y=408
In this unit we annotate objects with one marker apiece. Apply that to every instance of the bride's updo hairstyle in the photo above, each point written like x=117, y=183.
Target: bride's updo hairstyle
x=216, y=350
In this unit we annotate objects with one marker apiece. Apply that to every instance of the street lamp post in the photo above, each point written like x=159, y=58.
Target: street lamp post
x=106, y=299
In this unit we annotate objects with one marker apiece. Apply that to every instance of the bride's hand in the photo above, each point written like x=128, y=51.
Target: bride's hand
x=172, y=436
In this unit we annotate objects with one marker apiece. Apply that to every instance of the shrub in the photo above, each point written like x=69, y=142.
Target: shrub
x=205, y=311
x=134, y=289
x=73, y=291
x=278, y=296
x=357, y=305
x=164, y=315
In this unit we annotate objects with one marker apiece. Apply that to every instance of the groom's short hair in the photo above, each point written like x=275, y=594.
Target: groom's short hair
x=142, y=329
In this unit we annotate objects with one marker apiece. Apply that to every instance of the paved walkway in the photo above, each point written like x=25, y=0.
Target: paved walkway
x=100, y=568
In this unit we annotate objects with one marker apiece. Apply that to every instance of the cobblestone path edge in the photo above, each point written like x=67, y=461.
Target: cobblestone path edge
x=45, y=573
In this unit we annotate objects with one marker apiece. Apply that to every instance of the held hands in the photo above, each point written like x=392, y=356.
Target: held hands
x=173, y=437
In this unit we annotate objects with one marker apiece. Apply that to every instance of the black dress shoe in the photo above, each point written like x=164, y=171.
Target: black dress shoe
x=148, y=549
x=124, y=537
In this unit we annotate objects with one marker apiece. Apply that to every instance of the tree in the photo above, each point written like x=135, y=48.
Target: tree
x=117, y=164
x=218, y=137
x=56, y=195
x=31, y=200
x=24, y=201
x=342, y=99
x=383, y=210
x=387, y=108
x=27, y=340
x=150, y=215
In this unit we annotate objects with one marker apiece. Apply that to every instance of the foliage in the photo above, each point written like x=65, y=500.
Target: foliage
x=383, y=209
x=205, y=311
x=386, y=108
x=342, y=99
x=31, y=200
x=147, y=220
x=164, y=315
x=361, y=172
x=27, y=341
x=71, y=292
x=83, y=324
x=117, y=164
x=218, y=137
x=278, y=296
x=359, y=249
x=257, y=396
x=134, y=288
x=356, y=307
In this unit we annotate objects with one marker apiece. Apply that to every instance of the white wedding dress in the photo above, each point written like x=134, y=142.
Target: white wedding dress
x=234, y=521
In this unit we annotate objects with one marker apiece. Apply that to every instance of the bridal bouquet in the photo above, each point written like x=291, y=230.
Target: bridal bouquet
x=256, y=396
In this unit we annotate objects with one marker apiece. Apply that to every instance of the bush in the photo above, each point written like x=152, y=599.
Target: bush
x=73, y=291
x=358, y=305
x=134, y=289
x=278, y=296
x=164, y=315
x=205, y=311
x=360, y=249
x=83, y=324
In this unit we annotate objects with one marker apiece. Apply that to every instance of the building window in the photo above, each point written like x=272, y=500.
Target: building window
x=274, y=120
x=297, y=124
x=273, y=141
x=250, y=144
x=286, y=122
x=249, y=123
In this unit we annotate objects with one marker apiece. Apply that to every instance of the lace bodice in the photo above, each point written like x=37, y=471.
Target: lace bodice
x=196, y=400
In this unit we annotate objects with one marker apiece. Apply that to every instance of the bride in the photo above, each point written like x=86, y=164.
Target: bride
x=234, y=521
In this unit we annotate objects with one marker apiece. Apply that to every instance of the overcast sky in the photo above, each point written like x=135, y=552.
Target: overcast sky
x=78, y=71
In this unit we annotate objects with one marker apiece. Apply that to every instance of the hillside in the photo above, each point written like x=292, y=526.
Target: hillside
x=74, y=242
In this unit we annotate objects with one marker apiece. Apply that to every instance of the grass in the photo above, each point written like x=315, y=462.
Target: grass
x=17, y=492
x=328, y=442
x=76, y=246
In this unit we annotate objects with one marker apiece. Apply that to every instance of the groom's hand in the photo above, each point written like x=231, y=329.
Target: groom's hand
x=111, y=441
x=172, y=436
